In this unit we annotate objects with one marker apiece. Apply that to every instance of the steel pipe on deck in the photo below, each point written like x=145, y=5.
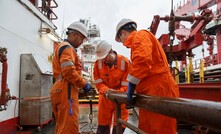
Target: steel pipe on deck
x=203, y=113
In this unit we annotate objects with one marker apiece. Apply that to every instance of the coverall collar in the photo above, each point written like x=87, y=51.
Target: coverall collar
x=71, y=44
x=128, y=41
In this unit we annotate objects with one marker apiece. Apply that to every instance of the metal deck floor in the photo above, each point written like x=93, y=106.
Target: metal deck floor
x=86, y=127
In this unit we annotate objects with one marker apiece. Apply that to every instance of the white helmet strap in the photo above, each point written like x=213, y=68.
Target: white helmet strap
x=71, y=31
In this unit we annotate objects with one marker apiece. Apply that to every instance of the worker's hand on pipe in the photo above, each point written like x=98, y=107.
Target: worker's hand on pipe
x=87, y=87
x=130, y=92
x=107, y=92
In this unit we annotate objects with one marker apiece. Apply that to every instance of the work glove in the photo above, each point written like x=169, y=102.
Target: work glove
x=87, y=88
x=130, y=92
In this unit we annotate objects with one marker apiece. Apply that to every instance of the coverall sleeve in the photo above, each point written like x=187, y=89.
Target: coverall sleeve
x=99, y=83
x=141, y=59
x=124, y=82
x=68, y=68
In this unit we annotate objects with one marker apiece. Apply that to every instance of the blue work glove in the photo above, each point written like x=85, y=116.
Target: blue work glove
x=87, y=88
x=130, y=92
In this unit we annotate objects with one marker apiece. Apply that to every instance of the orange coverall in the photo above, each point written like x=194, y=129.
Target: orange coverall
x=67, y=72
x=150, y=72
x=110, y=78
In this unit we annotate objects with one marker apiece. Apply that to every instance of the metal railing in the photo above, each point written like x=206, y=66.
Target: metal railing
x=209, y=61
x=46, y=7
x=200, y=112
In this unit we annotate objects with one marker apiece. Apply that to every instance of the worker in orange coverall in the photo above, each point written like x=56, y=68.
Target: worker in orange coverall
x=110, y=72
x=67, y=72
x=149, y=75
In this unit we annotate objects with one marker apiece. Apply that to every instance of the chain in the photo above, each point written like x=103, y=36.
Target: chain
x=171, y=51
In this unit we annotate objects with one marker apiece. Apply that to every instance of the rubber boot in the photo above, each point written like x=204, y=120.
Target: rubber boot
x=114, y=130
x=101, y=129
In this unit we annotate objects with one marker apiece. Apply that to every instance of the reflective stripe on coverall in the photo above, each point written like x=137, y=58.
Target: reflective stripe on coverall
x=66, y=70
x=110, y=78
x=150, y=72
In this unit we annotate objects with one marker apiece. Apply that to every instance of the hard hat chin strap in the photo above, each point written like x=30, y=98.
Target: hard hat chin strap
x=70, y=31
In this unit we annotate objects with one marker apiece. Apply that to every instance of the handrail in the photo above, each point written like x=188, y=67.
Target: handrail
x=56, y=4
x=203, y=113
x=46, y=8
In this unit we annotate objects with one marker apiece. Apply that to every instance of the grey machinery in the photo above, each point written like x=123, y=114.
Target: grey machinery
x=35, y=82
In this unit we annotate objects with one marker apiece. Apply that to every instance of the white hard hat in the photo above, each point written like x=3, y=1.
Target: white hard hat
x=102, y=49
x=122, y=23
x=80, y=27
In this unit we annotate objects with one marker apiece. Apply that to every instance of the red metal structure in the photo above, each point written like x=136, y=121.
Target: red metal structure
x=193, y=37
x=5, y=96
x=190, y=38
